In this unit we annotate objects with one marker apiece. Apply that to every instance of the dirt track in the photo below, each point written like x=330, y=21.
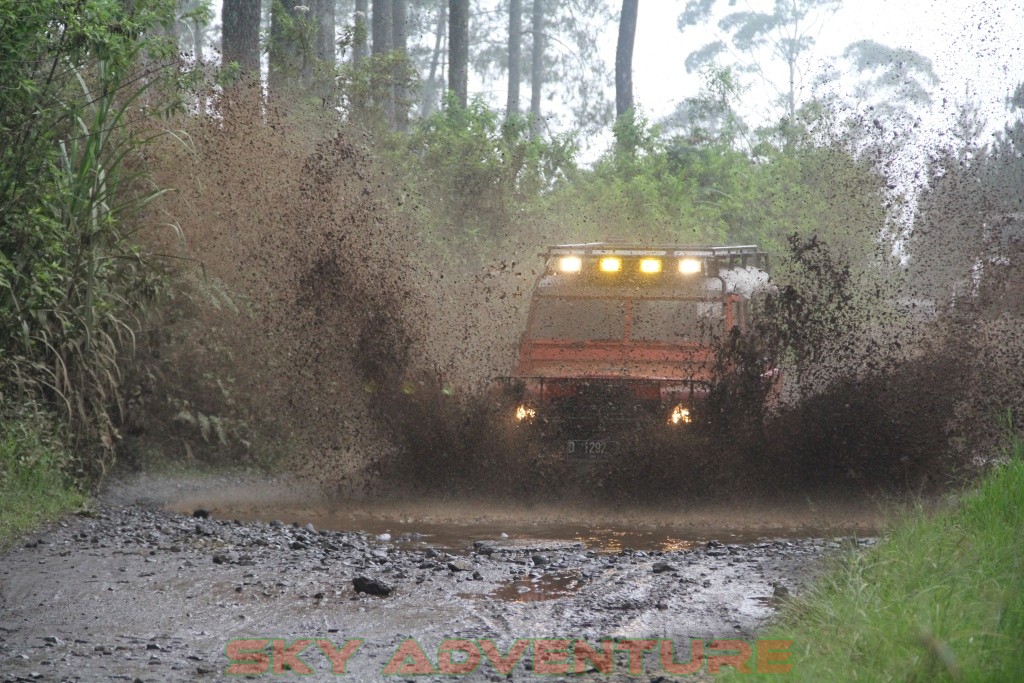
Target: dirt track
x=130, y=592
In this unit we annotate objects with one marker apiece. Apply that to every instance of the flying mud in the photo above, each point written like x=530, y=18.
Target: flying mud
x=323, y=337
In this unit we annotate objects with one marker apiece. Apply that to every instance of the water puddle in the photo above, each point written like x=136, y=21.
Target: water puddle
x=456, y=527
x=551, y=586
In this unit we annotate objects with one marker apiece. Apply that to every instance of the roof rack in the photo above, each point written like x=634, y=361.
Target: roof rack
x=730, y=256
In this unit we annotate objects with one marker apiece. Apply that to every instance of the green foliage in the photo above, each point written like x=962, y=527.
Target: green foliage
x=477, y=170
x=71, y=278
x=33, y=485
x=940, y=599
x=652, y=188
x=377, y=87
x=292, y=45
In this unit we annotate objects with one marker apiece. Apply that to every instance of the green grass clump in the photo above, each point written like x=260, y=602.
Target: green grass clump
x=33, y=486
x=941, y=599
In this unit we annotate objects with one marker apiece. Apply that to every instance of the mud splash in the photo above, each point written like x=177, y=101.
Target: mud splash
x=327, y=338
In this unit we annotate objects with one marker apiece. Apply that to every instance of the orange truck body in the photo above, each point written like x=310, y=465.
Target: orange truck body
x=629, y=323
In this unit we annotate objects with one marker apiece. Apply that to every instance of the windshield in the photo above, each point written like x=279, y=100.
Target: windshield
x=605, y=320
x=677, y=321
x=581, y=319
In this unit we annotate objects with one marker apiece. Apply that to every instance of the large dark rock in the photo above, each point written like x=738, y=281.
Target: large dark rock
x=370, y=586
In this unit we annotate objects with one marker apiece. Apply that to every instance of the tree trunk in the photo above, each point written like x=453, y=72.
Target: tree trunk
x=430, y=87
x=399, y=40
x=361, y=31
x=515, y=55
x=240, y=36
x=458, y=50
x=624, y=58
x=536, y=67
x=381, y=23
x=325, y=33
x=197, y=41
x=284, y=64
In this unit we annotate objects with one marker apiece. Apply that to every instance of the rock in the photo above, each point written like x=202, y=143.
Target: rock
x=430, y=552
x=540, y=560
x=53, y=640
x=297, y=545
x=201, y=513
x=363, y=584
x=310, y=528
x=459, y=566
x=221, y=558
x=714, y=544
x=661, y=567
x=383, y=537
x=477, y=576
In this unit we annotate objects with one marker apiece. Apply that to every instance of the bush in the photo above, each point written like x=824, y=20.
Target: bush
x=33, y=485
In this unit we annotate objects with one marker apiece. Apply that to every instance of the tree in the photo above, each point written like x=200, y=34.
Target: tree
x=434, y=83
x=561, y=45
x=359, y=31
x=240, y=35
x=624, y=57
x=515, y=51
x=458, y=50
x=381, y=23
x=537, y=65
x=293, y=45
x=191, y=23
x=786, y=33
x=324, y=11
x=399, y=43
x=710, y=117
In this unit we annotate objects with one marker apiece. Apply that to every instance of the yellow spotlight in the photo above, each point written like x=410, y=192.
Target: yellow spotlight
x=650, y=265
x=525, y=413
x=611, y=264
x=570, y=264
x=680, y=415
x=689, y=266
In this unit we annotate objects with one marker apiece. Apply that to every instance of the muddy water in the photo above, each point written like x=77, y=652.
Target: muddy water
x=455, y=526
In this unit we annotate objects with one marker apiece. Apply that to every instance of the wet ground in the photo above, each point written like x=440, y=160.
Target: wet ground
x=159, y=579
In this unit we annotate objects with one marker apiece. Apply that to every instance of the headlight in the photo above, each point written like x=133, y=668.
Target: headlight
x=611, y=264
x=525, y=413
x=689, y=266
x=570, y=264
x=650, y=265
x=680, y=415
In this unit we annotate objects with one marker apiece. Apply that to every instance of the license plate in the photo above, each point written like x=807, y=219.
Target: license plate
x=590, y=447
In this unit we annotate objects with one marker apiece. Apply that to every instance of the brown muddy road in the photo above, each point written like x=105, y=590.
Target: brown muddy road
x=140, y=589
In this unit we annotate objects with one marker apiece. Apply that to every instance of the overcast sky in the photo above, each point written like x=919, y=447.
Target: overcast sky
x=969, y=41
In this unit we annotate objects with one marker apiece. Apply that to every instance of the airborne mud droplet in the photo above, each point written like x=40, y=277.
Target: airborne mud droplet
x=322, y=334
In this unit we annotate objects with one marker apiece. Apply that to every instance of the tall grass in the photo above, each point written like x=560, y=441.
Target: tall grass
x=33, y=485
x=72, y=280
x=941, y=599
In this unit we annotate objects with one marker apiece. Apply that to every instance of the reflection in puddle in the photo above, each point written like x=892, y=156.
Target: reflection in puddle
x=617, y=540
x=545, y=587
x=457, y=530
